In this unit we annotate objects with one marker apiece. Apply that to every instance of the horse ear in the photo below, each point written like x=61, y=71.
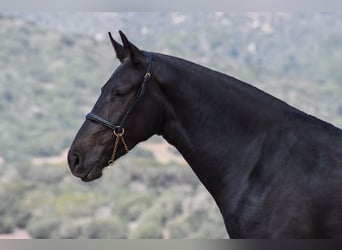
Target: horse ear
x=121, y=53
x=135, y=54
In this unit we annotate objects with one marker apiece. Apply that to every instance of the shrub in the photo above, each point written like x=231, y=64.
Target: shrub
x=149, y=230
x=22, y=218
x=132, y=206
x=6, y=224
x=106, y=229
x=43, y=228
x=179, y=229
x=71, y=230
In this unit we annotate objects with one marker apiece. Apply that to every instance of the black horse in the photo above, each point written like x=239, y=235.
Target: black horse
x=274, y=171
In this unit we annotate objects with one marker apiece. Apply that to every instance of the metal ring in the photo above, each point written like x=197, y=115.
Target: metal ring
x=117, y=133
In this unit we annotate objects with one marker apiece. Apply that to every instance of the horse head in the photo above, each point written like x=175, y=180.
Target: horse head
x=129, y=110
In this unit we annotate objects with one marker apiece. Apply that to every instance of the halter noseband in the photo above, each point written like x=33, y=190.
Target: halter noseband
x=118, y=129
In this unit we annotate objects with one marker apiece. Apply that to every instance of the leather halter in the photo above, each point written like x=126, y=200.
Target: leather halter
x=118, y=128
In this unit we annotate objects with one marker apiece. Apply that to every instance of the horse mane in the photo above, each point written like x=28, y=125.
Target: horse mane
x=247, y=89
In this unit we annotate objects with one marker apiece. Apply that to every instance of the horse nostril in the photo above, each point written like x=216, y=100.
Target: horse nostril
x=73, y=160
x=76, y=159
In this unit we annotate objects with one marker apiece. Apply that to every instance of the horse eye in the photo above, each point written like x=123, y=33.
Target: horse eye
x=119, y=94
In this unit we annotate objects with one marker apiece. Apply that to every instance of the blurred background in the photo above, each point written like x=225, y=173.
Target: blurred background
x=52, y=66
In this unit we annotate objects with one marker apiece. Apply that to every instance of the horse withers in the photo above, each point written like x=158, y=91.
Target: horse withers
x=273, y=170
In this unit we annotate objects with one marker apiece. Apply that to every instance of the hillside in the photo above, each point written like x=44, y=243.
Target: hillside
x=52, y=68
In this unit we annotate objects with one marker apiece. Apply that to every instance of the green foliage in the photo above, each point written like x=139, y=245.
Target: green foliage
x=106, y=229
x=131, y=207
x=42, y=228
x=45, y=173
x=179, y=229
x=148, y=230
x=12, y=213
x=7, y=224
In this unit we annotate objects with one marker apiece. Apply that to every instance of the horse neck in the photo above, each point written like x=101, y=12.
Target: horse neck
x=211, y=118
